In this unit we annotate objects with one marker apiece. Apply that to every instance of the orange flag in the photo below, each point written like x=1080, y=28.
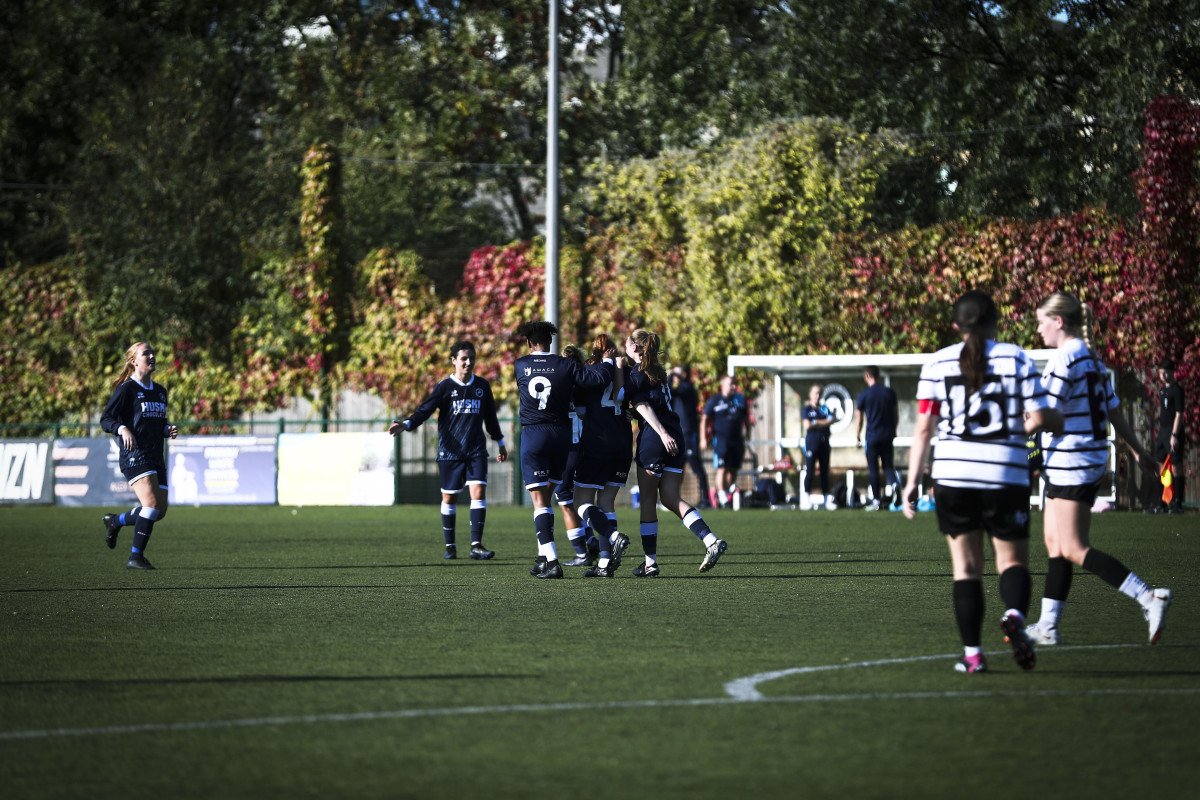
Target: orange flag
x=1167, y=481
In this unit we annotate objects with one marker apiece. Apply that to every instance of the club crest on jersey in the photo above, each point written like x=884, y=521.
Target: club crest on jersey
x=478, y=392
x=528, y=371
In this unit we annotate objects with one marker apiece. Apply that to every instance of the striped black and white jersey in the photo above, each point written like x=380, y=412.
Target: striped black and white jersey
x=981, y=434
x=1077, y=385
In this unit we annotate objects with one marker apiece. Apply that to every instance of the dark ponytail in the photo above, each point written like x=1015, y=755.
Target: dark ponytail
x=974, y=317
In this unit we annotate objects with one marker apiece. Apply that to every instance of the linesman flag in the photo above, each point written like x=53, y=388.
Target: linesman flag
x=1167, y=481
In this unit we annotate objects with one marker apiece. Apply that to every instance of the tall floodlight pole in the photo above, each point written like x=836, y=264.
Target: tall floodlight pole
x=552, y=172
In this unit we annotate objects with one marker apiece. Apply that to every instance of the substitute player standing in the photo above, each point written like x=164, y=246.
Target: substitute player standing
x=729, y=416
x=465, y=407
x=546, y=386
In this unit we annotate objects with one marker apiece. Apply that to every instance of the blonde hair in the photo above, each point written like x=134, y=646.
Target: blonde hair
x=130, y=355
x=651, y=348
x=1076, y=316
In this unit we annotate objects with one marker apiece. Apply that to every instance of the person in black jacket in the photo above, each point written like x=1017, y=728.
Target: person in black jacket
x=136, y=416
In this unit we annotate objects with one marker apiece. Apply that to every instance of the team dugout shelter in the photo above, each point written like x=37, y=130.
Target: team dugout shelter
x=841, y=379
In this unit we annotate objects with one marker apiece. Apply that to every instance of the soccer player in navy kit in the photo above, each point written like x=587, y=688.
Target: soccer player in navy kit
x=660, y=454
x=983, y=397
x=605, y=456
x=587, y=549
x=729, y=416
x=545, y=387
x=465, y=407
x=136, y=415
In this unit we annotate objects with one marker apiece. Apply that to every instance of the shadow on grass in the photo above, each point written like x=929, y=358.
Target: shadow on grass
x=238, y=679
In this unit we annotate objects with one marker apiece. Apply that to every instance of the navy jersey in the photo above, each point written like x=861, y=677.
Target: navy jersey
x=142, y=409
x=546, y=386
x=728, y=415
x=813, y=437
x=878, y=406
x=606, y=428
x=640, y=391
x=464, y=410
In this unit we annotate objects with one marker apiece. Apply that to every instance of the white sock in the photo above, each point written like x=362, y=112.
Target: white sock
x=1135, y=587
x=1051, y=611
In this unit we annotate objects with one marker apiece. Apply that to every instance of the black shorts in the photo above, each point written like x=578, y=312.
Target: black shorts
x=1002, y=513
x=1081, y=493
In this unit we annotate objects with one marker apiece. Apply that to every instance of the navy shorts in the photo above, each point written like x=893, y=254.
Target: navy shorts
x=143, y=467
x=544, y=450
x=653, y=457
x=728, y=452
x=458, y=474
x=596, y=473
x=565, y=492
x=1002, y=513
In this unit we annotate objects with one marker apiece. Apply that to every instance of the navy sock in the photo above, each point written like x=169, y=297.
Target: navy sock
x=598, y=521
x=1058, y=579
x=142, y=528
x=697, y=525
x=128, y=517
x=1015, y=588
x=968, y=611
x=1110, y=570
x=543, y=523
x=478, y=515
x=449, y=518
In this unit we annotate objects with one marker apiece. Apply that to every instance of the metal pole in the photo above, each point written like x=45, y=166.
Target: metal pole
x=552, y=173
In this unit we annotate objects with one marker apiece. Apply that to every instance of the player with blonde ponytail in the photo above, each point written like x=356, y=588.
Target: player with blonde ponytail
x=661, y=454
x=1077, y=383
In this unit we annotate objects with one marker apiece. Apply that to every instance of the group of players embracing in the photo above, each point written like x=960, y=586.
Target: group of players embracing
x=576, y=442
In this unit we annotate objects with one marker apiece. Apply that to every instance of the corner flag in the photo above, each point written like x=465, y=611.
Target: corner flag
x=1167, y=481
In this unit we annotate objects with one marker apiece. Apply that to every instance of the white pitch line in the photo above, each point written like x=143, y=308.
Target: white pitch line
x=746, y=687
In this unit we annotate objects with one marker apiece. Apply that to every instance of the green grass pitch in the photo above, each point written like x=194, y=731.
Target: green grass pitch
x=331, y=652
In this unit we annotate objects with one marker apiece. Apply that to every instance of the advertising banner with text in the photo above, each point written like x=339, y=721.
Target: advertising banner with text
x=86, y=473
x=25, y=469
x=221, y=470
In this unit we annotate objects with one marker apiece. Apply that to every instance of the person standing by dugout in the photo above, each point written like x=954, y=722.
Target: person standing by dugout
x=878, y=406
x=136, y=416
x=729, y=415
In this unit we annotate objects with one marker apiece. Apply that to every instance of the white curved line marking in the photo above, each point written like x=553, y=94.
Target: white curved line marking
x=746, y=689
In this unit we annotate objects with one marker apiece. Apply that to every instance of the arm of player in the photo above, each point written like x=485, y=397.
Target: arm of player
x=423, y=412
x=1126, y=433
x=647, y=413
x=916, y=461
